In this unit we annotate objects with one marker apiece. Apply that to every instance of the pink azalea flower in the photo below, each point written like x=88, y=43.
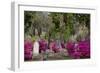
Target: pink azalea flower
x=28, y=46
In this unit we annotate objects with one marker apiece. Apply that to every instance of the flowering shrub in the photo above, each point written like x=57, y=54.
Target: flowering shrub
x=79, y=50
x=28, y=45
x=43, y=45
x=53, y=46
x=84, y=47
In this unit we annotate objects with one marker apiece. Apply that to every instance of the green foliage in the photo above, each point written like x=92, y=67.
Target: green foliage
x=54, y=25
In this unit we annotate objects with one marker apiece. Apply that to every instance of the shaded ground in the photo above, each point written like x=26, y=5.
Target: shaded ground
x=51, y=56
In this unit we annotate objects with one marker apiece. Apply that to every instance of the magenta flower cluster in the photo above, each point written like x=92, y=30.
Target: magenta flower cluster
x=54, y=46
x=43, y=45
x=78, y=50
x=28, y=46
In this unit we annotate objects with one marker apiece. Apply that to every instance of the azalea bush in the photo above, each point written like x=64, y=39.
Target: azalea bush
x=28, y=46
x=43, y=45
x=78, y=50
x=53, y=46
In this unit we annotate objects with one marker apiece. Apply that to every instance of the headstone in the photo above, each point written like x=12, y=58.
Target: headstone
x=35, y=48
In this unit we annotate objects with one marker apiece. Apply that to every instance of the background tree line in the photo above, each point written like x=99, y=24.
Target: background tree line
x=53, y=25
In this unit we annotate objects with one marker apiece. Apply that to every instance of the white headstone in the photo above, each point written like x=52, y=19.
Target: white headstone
x=35, y=48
